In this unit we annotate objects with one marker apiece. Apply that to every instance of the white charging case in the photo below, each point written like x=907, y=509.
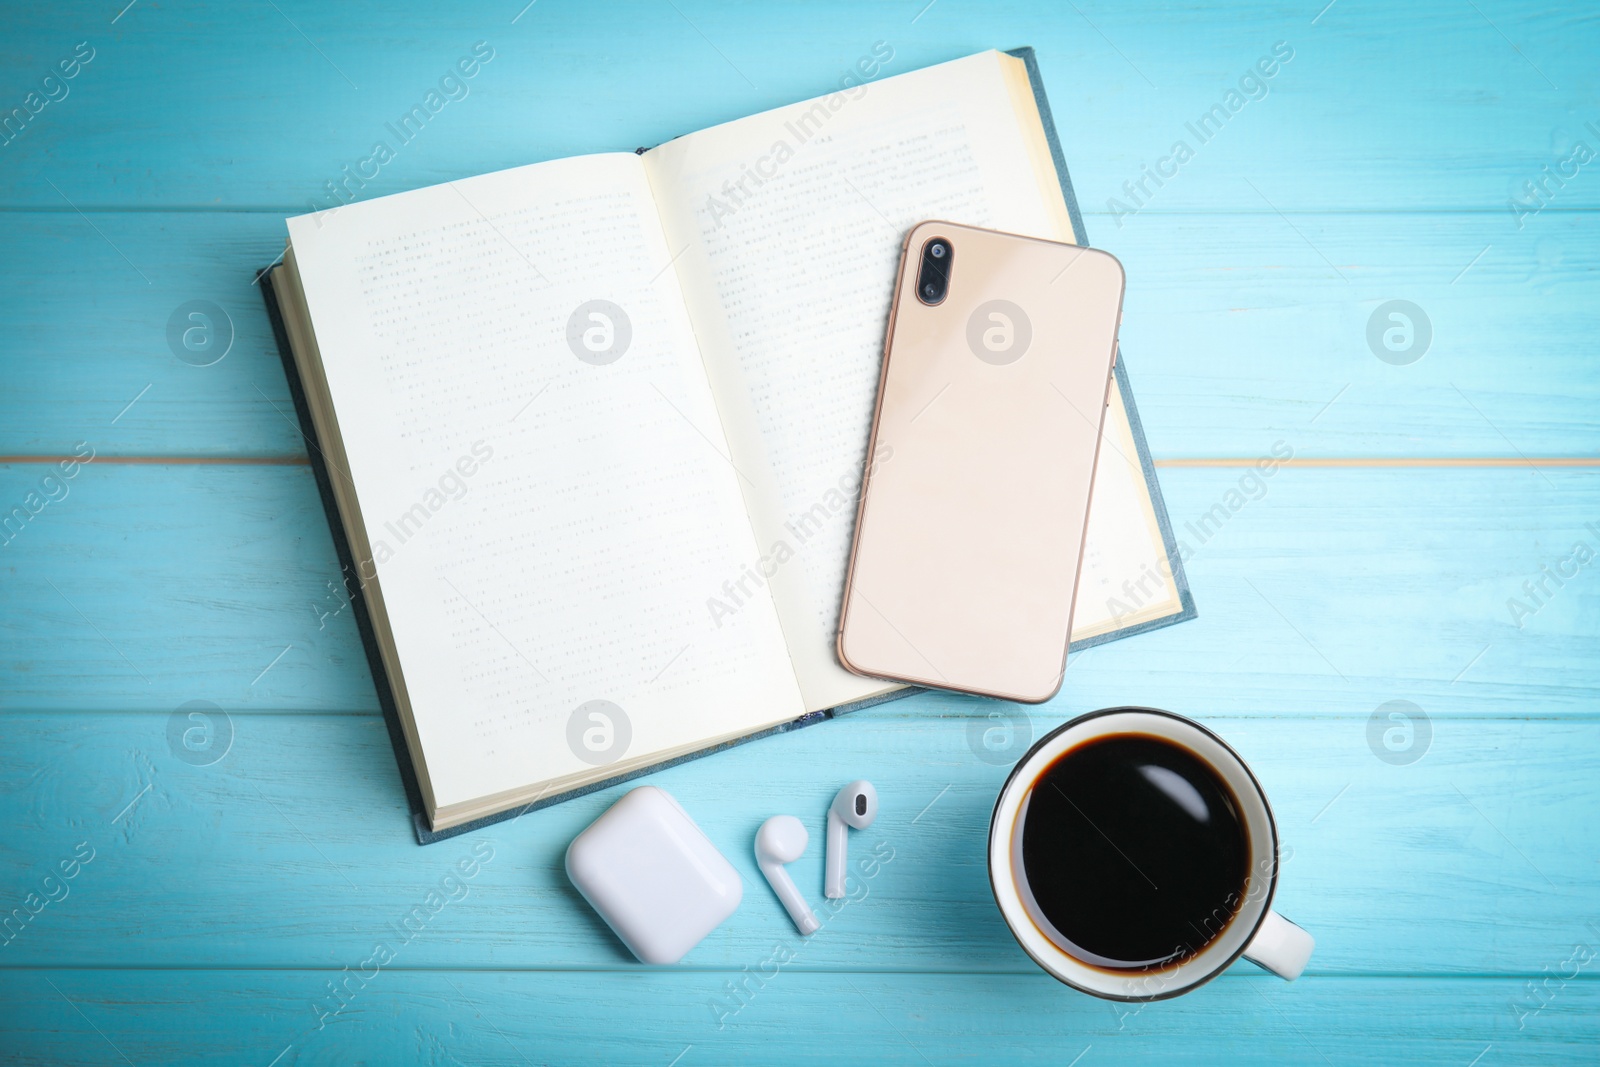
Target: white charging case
x=653, y=875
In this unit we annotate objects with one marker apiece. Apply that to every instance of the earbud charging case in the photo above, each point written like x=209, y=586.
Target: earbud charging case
x=653, y=875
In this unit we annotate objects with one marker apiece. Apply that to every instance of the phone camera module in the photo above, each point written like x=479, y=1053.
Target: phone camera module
x=933, y=273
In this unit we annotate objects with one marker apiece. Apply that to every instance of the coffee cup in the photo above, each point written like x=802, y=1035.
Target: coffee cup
x=1134, y=857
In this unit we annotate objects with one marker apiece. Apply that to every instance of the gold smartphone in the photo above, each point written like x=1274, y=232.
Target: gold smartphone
x=969, y=531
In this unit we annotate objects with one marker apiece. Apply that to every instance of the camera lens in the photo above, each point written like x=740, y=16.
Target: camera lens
x=933, y=270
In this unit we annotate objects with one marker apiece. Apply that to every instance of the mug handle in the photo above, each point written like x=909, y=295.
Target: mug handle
x=1280, y=947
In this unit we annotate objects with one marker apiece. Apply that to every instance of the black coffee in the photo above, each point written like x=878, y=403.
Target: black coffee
x=1135, y=851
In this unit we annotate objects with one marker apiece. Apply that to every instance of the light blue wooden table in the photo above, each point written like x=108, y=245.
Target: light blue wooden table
x=1449, y=865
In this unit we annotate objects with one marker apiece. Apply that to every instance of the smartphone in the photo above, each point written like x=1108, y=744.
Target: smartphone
x=969, y=531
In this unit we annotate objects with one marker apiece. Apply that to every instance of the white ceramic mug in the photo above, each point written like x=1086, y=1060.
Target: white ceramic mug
x=1255, y=931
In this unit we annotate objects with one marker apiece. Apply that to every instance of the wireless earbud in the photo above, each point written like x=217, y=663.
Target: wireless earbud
x=783, y=839
x=855, y=805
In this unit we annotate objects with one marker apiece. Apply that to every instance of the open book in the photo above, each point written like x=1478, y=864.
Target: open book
x=594, y=429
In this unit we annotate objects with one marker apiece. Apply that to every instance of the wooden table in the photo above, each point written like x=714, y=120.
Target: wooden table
x=1446, y=860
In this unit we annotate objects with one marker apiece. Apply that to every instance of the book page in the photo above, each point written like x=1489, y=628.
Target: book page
x=788, y=227
x=1125, y=578
x=541, y=473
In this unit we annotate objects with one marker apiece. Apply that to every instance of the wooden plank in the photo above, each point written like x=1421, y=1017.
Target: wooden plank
x=1439, y=106
x=87, y=356
x=399, y=1016
x=1259, y=327
x=158, y=585
x=1322, y=591
x=1239, y=330
x=294, y=849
